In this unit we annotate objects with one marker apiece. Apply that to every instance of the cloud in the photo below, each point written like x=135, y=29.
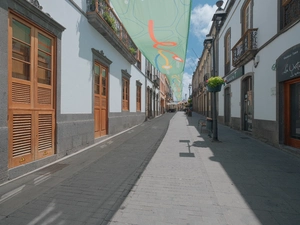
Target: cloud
x=186, y=81
x=201, y=17
x=200, y=26
x=201, y=20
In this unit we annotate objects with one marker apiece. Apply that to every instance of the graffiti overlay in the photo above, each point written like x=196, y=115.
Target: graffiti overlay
x=160, y=30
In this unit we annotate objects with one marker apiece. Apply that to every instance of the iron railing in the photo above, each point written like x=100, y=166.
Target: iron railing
x=102, y=7
x=245, y=48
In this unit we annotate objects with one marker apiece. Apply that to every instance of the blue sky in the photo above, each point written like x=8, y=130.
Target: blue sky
x=201, y=15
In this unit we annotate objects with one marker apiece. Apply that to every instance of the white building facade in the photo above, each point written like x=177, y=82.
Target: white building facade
x=71, y=79
x=259, y=58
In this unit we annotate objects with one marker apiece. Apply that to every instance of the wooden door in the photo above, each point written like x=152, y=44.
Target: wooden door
x=247, y=104
x=227, y=106
x=31, y=114
x=100, y=99
x=292, y=112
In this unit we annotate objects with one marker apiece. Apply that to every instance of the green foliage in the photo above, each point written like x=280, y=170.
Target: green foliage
x=215, y=81
x=132, y=50
x=110, y=20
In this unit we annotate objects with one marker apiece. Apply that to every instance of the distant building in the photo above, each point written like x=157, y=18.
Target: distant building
x=259, y=60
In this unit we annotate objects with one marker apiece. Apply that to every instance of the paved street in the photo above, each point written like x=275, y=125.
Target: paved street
x=189, y=180
x=87, y=188
x=192, y=181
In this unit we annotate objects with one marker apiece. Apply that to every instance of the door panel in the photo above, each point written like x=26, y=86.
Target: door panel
x=45, y=129
x=100, y=99
x=292, y=113
x=31, y=114
x=21, y=135
x=227, y=106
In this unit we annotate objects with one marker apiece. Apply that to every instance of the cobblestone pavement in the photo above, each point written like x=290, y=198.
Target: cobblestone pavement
x=191, y=180
x=87, y=188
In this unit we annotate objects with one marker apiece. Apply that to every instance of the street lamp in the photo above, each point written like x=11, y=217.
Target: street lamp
x=217, y=18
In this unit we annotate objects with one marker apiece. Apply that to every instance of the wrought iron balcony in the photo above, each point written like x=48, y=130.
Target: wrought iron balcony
x=102, y=17
x=156, y=81
x=245, y=49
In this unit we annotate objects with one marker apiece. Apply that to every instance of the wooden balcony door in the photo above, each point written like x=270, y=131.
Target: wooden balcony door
x=31, y=108
x=100, y=99
x=292, y=113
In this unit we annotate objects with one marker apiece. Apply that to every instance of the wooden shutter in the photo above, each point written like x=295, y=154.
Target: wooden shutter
x=45, y=130
x=31, y=92
x=21, y=140
x=125, y=94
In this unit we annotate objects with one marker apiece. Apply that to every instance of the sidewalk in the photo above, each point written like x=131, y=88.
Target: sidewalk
x=191, y=180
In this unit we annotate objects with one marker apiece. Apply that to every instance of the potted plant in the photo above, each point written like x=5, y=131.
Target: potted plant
x=214, y=84
x=110, y=20
x=132, y=50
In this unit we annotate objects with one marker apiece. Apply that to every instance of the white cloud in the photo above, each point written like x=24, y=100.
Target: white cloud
x=201, y=20
x=186, y=80
x=201, y=17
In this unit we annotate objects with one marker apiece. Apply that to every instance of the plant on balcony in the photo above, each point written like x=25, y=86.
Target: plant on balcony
x=110, y=20
x=132, y=50
x=214, y=84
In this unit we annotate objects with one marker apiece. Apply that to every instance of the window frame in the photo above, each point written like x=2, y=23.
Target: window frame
x=138, y=59
x=287, y=5
x=227, y=52
x=125, y=90
x=138, y=96
x=248, y=4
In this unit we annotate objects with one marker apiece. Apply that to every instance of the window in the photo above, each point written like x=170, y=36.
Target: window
x=125, y=104
x=290, y=12
x=227, y=44
x=247, y=16
x=125, y=90
x=138, y=97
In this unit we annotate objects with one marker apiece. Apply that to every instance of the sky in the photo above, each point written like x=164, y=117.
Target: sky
x=200, y=23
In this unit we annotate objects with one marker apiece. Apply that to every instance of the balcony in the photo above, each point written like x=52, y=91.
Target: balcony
x=245, y=49
x=101, y=16
x=156, y=81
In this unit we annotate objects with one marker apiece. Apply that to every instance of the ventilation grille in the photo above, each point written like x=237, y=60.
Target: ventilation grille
x=20, y=93
x=103, y=102
x=97, y=101
x=44, y=96
x=45, y=132
x=21, y=134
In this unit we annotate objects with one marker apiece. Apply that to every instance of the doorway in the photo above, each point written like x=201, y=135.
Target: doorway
x=100, y=99
x=292, y=112
x=227, y=106
x=31, y=99
x=247, y=109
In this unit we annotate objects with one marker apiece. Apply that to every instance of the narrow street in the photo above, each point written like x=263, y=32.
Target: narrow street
x=189, y=181
x=86, y=188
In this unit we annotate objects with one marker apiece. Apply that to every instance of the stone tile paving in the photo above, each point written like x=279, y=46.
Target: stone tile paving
x=87, y=188
x=237, y=181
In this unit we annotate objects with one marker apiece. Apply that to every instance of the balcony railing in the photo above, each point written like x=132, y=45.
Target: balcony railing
x=156, y=81
x=245, y=49
x=102, y=17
